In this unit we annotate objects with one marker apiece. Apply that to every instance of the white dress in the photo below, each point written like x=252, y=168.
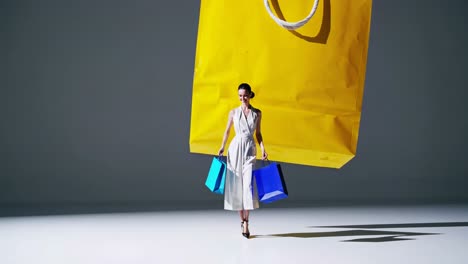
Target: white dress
x=240, y=191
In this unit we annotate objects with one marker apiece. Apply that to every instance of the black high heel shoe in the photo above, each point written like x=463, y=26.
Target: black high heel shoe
x=247, y=234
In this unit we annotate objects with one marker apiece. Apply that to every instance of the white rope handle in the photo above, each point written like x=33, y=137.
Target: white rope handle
x=291, y=25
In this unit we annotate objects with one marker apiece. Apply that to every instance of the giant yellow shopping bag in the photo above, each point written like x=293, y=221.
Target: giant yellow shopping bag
x=304, y=59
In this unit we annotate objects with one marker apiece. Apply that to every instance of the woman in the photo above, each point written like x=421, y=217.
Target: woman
x=240, y=191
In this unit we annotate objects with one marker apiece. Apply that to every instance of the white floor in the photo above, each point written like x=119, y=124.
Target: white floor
x=422, y=234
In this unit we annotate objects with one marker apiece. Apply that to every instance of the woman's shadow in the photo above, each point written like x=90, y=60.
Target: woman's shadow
x=324, y=32
x=382, y=236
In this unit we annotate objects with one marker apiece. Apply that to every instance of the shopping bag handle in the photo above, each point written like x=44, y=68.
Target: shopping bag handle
x=291, y=25
x=265, y=160
x=220, y=157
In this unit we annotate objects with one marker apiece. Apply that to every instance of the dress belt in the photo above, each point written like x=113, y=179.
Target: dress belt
x=245, y=136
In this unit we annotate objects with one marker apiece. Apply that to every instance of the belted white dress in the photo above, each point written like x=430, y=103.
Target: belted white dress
x=240, y=190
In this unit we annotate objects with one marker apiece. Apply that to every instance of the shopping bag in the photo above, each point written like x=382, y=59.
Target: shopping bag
x=270, y=183
x=216, y=176
x=308, y=81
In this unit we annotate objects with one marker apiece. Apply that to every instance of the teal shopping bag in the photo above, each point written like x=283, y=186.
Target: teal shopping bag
x=216, y=176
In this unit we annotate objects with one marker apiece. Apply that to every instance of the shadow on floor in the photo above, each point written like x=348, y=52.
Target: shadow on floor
x=406, y=225
x=384, y=236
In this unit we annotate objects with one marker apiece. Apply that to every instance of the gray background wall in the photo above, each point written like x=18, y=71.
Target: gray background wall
x=96, y=96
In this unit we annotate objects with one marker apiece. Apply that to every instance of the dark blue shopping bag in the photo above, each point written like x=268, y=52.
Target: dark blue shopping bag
x=270, y=183
x=216, y=176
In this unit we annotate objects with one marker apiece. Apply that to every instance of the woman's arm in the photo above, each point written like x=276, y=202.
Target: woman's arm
x=226, y=133
x=258, y=133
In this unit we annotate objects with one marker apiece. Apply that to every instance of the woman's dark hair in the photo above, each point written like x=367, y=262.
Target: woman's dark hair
x=246, y=87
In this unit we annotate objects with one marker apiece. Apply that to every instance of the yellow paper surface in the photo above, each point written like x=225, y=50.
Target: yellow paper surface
x=308, y=82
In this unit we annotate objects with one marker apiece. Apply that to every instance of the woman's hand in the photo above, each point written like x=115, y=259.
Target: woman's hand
x=221, y=151
x=264, y=155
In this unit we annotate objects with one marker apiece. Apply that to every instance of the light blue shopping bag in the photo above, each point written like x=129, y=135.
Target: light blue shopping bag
x=216, y=176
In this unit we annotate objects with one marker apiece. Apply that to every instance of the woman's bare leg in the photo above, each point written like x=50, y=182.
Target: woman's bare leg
x=246, y=215
x=246, y=221
x=241, y=214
